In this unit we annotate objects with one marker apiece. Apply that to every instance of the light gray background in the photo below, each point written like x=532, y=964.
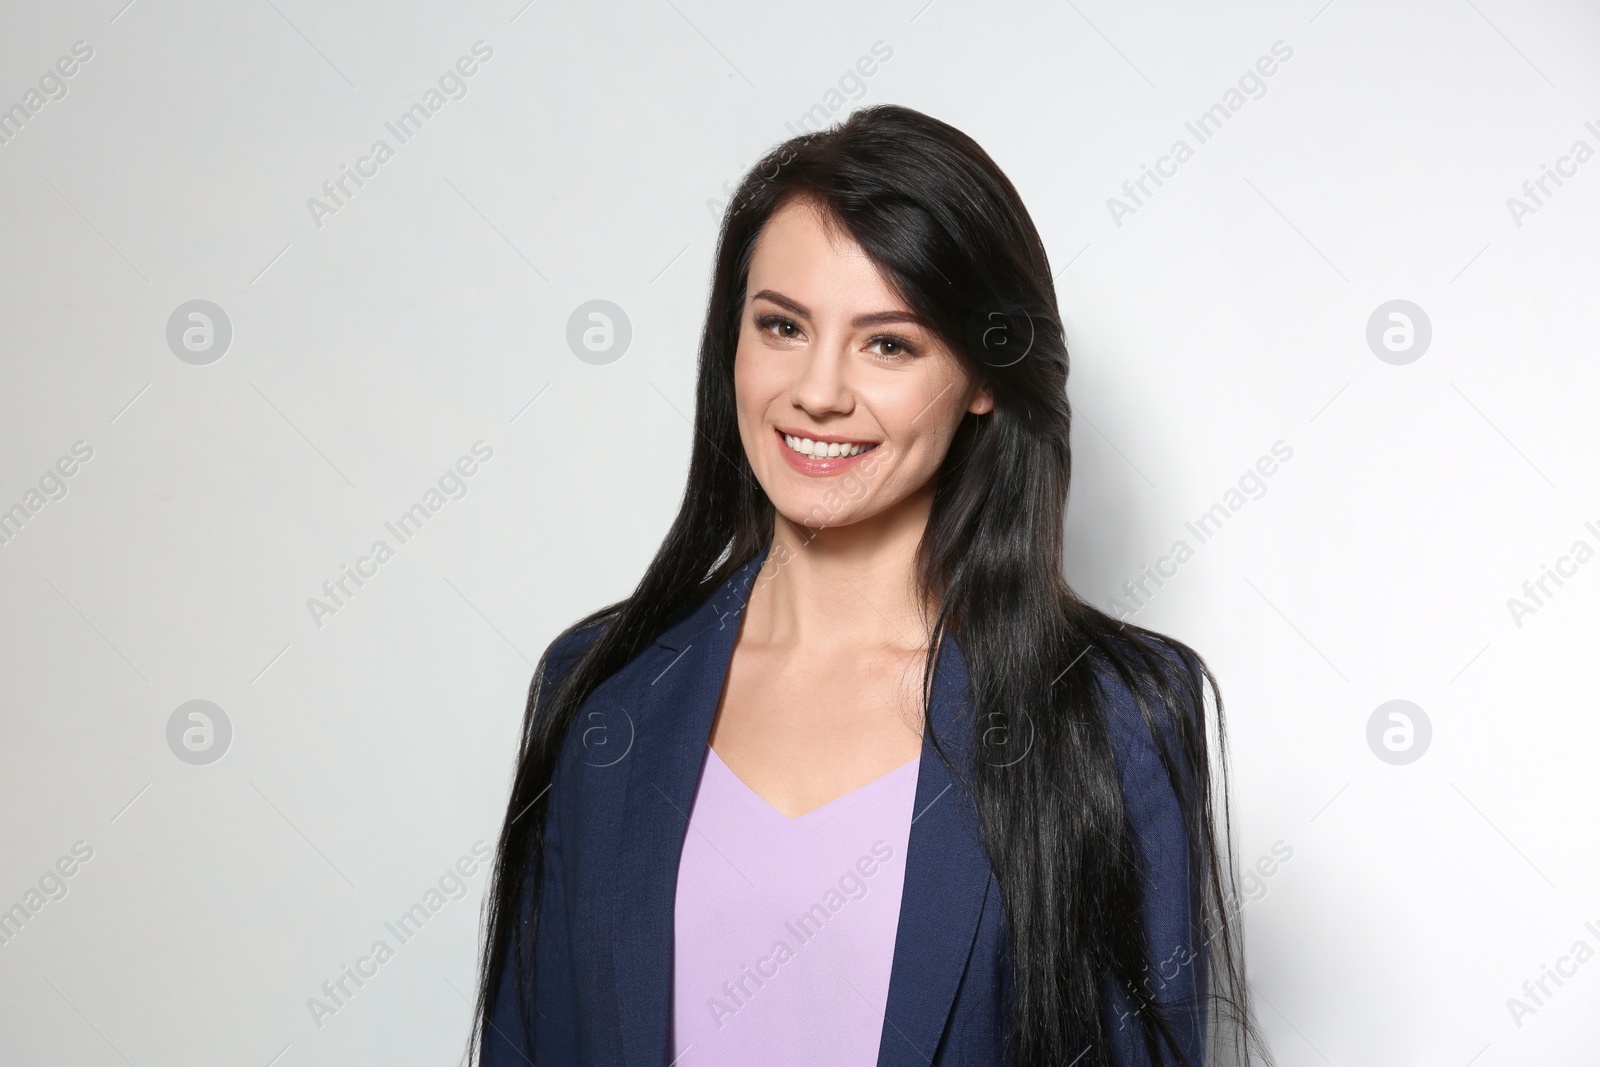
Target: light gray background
x=430, y=312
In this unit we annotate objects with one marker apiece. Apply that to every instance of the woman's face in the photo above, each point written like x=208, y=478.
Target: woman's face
x=847, y=403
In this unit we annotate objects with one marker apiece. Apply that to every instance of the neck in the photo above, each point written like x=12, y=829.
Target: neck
x=843, y=587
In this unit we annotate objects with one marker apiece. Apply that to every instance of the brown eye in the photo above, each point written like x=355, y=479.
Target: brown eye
x=788, y=329
x=892, y=349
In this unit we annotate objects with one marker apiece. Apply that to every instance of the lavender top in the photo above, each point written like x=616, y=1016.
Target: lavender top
x=784, y=929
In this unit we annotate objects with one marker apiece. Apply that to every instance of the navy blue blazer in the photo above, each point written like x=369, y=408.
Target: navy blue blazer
x=618, y=814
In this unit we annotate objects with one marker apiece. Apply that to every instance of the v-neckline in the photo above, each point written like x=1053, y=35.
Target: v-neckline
x=835, y=802
x=948, y=878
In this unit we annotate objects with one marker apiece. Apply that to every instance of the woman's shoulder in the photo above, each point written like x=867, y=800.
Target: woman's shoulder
x=574, y=641
x=1161, y=672
x=564, y=651
x=1152, y=689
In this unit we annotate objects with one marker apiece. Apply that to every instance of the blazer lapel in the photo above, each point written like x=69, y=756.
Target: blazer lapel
x=947, y=871
x=947, y=880
x=672, y=731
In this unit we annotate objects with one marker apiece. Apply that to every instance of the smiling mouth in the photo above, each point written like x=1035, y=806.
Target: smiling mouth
x=811, y=449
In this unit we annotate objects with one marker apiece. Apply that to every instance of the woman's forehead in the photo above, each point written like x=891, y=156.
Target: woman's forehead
x=816, y=265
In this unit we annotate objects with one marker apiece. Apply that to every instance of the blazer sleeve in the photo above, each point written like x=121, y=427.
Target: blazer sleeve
x=1177, y=979
x=505, y=1041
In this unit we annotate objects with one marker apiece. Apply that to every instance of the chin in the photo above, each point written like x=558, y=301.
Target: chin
x=818, y=510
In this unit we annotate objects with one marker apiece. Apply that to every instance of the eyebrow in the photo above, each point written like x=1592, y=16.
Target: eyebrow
x=876, y=318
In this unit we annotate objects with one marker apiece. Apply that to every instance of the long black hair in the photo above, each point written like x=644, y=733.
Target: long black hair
x=950, y=234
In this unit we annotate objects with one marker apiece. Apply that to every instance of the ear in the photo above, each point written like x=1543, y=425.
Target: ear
x=982, y=401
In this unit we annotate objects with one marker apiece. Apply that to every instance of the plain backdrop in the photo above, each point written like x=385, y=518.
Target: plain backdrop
x=349, y=757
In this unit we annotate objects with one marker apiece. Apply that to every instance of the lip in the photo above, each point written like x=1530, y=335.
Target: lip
x=820, y=468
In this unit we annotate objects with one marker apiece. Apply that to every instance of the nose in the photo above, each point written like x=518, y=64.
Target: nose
x=822, y=381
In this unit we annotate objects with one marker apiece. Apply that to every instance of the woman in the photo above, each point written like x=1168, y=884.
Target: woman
x=853, y=777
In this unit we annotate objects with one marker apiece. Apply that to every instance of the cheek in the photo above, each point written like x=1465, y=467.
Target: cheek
x=742, y=373
x=923, y=415
x=754, y=388
x=758, y=378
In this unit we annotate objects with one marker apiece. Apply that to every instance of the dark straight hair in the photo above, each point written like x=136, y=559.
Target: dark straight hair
x=950, y=234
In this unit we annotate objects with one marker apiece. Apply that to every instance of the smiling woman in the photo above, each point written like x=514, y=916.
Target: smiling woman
x=860, y=362
x=857, y=633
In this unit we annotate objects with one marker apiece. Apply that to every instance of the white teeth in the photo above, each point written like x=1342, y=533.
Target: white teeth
x=820, y=450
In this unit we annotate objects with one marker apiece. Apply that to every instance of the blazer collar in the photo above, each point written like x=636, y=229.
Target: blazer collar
x=947, y=875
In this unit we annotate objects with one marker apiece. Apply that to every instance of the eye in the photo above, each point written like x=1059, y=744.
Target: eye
x=894, y=349
x=779, y=326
